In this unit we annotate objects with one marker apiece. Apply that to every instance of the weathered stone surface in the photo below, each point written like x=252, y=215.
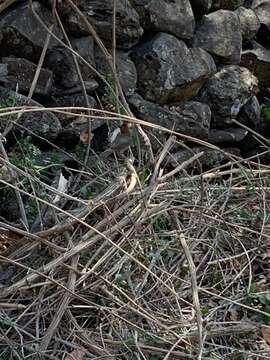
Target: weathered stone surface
x=74, y=100
x=21, y=33
x=174, y=17
x=200, y=7
x=84, y=46
x=226, y=92
x=126, y=70
x=42, y=123
x=90, y=86
x=230, y=135
x=21, y=73
x=227, y=4
x=3, y=72
x=169, y=71
x=258, y=61
x=250, y=114
x=100, y=13
x=191, y=118
x=249, y=22
x=60, y=61
x=262, y=10
x=219, y=33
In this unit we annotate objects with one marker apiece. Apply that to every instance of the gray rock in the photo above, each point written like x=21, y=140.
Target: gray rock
x=60, y=61
x=84, y=46
x=226, y=92
x=258, y=61
x=169, y=71
x=230, y=135
x=74, y=100
x=90, y=86
x=250, y=114
x=22, y=35
x=262, y=10
x=99, y=14
x=3, y=72
x=249, y=22
x=21, y=73
x=191, y=118
x=126, y=70
x=174, y=17
x=42, y=123
x=227, y=4
x=200, y=7
x=220, y=34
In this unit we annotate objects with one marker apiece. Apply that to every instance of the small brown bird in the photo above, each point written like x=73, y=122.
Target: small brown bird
x=120, y=141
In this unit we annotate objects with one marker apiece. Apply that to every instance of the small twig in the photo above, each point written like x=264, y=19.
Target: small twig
x=161, y=157
x=40, y=63
x=181, y=166
x=192, y=269
x=62, y=307
x=6, y=4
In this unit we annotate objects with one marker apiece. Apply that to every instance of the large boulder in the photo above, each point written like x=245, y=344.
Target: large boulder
x=250, y=114
x=257, y=60
x=226, y=92
x=262, y=10
x=99, y=13
x=219, y=33
x=21, y=73
x=169, y=71
x=42, y=123
x=126, y=70
x=189, y=118
x=249, y=22
x=174, y=17
x=227, y=4
x=60, y=61
x=22, y=35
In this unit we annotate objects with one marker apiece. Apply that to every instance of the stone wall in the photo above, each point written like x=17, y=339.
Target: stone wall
x=189, y=65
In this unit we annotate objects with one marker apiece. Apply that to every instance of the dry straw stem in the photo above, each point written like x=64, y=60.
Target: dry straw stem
x=62, y=307
x=192, y=269
x=115, y=279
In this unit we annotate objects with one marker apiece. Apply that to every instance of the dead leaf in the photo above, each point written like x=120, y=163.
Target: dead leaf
x=266, y=333
x=84, y=136
x=77, y=354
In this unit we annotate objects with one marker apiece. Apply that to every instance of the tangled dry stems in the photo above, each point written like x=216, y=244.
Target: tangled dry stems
x=169, y=265
x=157, y=264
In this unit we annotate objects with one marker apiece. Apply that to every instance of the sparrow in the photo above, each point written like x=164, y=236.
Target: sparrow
x=119, y=141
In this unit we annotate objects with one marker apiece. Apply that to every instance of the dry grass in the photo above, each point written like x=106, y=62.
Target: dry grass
x=156, y=263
